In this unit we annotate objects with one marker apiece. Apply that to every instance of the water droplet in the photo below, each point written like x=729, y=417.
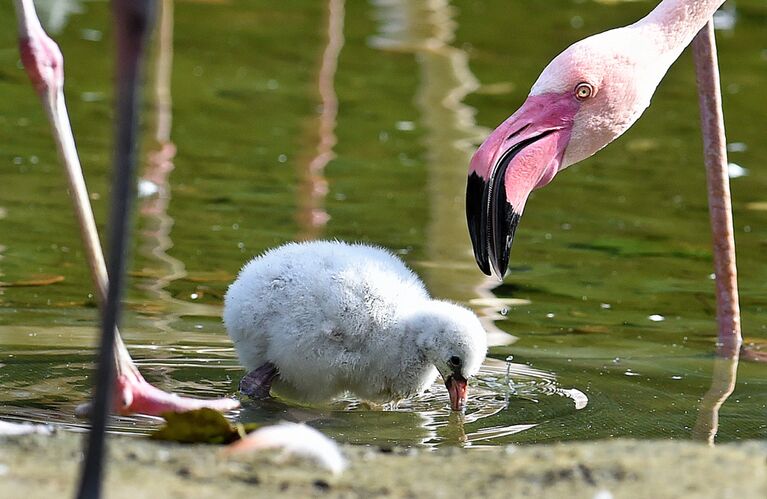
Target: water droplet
x=737, y=147
x=734, y=170
x=725, y=19
x=91, y=35
x=92, y=96
x=603, y=494
x=147, y=188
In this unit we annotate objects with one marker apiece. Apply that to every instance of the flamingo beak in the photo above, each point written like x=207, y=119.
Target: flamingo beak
x=458, y=390
x=522, y=154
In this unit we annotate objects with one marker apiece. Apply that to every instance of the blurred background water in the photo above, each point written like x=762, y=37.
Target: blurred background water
x=266, y=122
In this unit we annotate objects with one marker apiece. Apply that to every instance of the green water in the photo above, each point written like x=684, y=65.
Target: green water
x=611, y=242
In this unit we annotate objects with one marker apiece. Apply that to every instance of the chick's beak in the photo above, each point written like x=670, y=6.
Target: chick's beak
x=457, y=388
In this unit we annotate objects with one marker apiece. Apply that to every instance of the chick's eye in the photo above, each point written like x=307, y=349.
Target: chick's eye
x=583, y=91
x=455, y=361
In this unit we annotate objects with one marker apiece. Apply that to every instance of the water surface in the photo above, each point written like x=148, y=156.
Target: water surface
x=356, y=120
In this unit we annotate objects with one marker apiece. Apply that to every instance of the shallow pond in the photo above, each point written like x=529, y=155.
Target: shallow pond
x=356, y=121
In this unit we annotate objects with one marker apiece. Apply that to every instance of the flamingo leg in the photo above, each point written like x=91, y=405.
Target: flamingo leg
x=43, y=62
x=719, y=202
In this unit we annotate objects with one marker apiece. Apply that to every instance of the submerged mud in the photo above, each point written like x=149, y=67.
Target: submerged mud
x=42, y=466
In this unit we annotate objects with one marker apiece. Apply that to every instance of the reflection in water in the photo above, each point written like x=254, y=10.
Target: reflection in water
x=426, y=420
x=54, y=14
x=2, y=250
x=313, y=187
x=3, y=213
x=155, y=189
x=426, y=28
x=723, y=379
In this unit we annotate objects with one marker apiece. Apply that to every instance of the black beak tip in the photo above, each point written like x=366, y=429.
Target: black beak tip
x=500, y=266
x=506, y=222
x=483, y=264
x=492, y=223
x=476, y=218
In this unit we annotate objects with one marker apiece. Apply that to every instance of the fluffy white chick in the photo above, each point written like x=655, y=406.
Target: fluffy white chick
x=313, y=320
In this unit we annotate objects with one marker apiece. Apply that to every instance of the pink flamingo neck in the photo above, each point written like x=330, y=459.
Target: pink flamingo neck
x=674, y=23
x=27, y=21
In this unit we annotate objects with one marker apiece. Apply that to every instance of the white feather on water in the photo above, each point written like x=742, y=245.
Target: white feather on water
x=8, y=428
x=294, y=440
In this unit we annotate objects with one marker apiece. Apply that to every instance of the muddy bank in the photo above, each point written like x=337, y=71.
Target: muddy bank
x=41, y=466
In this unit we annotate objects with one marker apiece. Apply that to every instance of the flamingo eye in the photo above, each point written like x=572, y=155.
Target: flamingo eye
x=584, y=90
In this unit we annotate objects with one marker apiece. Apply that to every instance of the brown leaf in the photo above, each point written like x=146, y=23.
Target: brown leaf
x=37, y=281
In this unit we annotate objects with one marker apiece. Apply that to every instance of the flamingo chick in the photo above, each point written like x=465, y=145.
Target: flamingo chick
x=586, y=97
x=314, y=320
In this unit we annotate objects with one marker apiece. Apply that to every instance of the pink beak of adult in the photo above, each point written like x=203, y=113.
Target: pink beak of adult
x=522, y=154
x=457, y=389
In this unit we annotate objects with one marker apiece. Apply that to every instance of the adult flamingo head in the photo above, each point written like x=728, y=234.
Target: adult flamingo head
x=584, y=99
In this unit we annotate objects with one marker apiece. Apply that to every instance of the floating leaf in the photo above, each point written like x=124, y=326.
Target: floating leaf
x=203, y=425
x=213, y=276
x=591, y=329
x=198, y=426
x=39, y=281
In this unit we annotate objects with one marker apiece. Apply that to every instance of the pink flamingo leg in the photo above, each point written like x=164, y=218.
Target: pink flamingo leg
x=44, y=64
x=719, y=203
